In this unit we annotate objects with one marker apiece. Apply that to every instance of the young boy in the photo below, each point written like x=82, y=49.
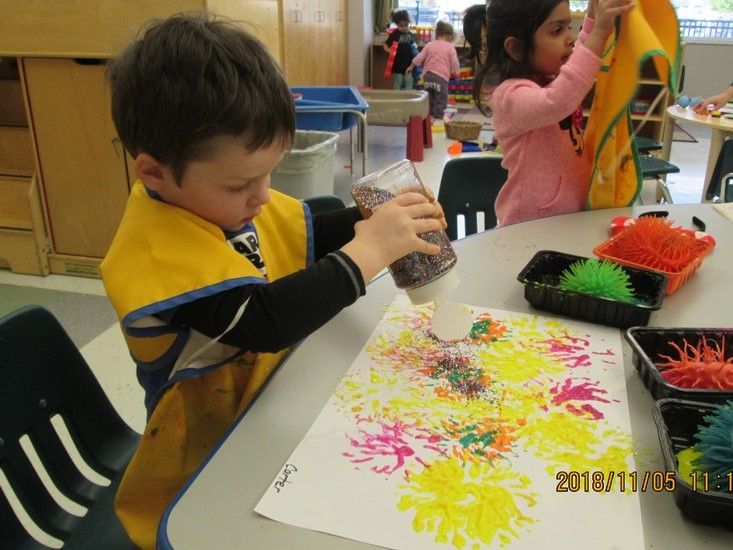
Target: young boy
x=212, y=274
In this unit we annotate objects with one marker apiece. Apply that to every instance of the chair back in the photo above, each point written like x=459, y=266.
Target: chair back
x=720, y=184
x=468, y=190
x=323, y=203
x=44, y=377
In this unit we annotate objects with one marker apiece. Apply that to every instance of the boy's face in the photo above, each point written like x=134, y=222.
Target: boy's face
x=403, y=26
x=229, y=187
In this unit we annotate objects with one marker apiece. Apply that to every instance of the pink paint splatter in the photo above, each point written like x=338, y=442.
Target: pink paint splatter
x=584, y=391
x=585, y=409
x=392, y=446
x=570, y=350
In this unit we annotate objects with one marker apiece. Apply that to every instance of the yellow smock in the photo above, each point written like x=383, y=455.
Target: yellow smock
x=650, y=30
x=163, y=256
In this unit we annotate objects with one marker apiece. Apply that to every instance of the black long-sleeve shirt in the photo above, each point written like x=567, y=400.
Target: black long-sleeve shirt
x=280, y=313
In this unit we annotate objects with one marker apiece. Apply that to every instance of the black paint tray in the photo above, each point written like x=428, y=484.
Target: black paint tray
x=542, y=275
x=649, y=343
x=677, y=423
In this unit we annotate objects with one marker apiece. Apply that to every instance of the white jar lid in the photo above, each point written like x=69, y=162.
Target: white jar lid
x=434, y=289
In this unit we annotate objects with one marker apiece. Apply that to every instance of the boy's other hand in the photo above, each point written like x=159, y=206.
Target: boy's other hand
x=392, y=231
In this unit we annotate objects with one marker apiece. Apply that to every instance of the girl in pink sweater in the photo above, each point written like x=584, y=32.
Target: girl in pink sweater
x=440, y=63
x=535, y=78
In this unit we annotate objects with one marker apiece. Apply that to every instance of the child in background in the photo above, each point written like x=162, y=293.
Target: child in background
x=439, y=61
x=214, y=275
x=401, y=39
x=543, y=76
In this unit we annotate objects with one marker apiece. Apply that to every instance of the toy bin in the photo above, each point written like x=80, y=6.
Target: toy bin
x=542, y=275
x=677, y=423
x=649, y=344
x=395, y=107
x=608, y=250
x=310, y=101
x=307, y=170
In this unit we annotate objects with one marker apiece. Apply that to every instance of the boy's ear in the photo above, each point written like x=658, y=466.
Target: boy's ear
x=513, y=48
x=151, y=172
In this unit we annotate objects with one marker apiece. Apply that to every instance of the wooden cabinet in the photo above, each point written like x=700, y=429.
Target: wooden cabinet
x=62, y=167
x=315, y=48
x=81, y=161
x=22, y=230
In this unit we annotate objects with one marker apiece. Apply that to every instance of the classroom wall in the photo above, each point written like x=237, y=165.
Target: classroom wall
x=360, y=17
x=708, y=68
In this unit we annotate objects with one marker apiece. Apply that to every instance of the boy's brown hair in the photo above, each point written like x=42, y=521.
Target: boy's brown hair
x=191, y=78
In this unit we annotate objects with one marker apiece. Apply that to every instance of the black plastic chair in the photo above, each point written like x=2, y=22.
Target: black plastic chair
x=720, y=186
x=657, y=169
x=469, y=185
x=646, y=145
x=324, y=203
x=43, y=376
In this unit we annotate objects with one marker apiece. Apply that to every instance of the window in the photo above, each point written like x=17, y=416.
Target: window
x=699, y=19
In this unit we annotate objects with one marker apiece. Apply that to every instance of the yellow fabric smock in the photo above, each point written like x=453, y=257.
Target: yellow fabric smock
x=163, y=256
x=650, y=30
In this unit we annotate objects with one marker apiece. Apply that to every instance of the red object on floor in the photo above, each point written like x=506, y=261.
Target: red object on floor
x=415, y=138
x=427, y=128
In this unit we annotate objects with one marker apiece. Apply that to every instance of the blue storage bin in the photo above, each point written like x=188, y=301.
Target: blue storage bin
x=316, y=98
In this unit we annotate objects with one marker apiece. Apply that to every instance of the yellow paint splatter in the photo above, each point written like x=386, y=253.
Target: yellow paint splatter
x=478, y=503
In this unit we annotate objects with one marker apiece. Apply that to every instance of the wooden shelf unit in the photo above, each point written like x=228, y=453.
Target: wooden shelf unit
x=23, y=242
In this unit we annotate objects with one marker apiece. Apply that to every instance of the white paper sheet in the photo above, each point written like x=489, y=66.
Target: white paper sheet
x=432, y=445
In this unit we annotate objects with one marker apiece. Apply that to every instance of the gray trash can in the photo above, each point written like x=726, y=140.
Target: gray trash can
x=307, y=170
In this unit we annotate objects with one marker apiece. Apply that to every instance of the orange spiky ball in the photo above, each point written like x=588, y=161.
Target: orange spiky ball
x=701, y=366
x=654, y=243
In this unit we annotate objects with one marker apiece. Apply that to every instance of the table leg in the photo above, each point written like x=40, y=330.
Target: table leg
x=364, y=143
x=351, y=149
x=667, y=135
x=716, y=142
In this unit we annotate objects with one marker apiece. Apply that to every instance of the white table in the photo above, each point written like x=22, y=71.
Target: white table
x=720, y=128
x=215, y=509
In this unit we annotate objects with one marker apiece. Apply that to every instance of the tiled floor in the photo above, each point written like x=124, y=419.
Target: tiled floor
x=100, y=337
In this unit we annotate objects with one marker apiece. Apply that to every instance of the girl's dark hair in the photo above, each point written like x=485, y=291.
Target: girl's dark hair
x=505, y=18
x=191, y=78
x=474, y=19
x=444, y=29
x=399, y=16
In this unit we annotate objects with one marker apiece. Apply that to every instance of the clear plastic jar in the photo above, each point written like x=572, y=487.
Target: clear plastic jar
x=424, y=277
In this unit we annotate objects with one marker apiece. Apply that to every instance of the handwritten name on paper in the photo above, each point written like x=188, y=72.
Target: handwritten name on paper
x=283, y=478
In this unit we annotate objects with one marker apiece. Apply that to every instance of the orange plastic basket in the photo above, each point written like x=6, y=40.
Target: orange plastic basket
x=676, y=279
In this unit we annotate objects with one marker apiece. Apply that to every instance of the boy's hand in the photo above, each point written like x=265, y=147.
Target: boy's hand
x=392, y=232
x=441, y=216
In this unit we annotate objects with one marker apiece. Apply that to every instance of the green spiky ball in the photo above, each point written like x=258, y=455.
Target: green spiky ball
x=598, y=278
